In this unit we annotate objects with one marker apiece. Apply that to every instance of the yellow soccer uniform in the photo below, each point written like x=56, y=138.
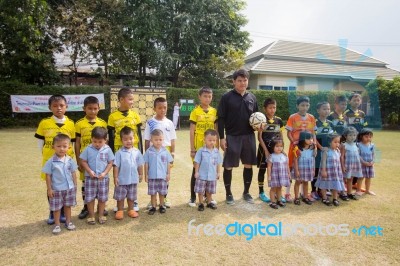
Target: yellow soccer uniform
x=118, y=120
x=83, y=130
x=47, y=130
x=203, y=121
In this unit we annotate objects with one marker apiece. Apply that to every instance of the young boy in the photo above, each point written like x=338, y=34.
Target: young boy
x=125, y=117
x=161, y=122
x=355, y=118
x=61, y=181
x=207, y=165
x=128, y=171
x=337, y=117
x=83, y=131
x=202, y=118
x=50, y=127
x=272, y=129
x=97, y=160
x=324, y=128
x=157, y=170
x=300, y=121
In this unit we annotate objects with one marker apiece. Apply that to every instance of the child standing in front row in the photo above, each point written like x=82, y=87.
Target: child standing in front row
x=161, y=122
x=278, y=173
x=330, y=174
x=97, y=160
x=207, y=165
x=61, y=181
x=157, y=170
x=83, y=129
x=367, y=154
x=50, y=127
x=350, y=158
x=272, y=129
x=128, y=171
x=304, y=166
x=201, y=118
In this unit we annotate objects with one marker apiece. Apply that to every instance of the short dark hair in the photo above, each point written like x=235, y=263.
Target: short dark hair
x=364, y=132
x=302, y=138
x=269, y=101
x=56, y=98
x=124, y=92
x=90, y=100
x=205, y=89
x=320, y=104
x=159, y=100
x=302, y=99
x=240, y=73
x=125, y=131
x=354, y=94
x=99, y=133
x=60, y=137
x=210, y=132
x=340, y=99
x=157, y=132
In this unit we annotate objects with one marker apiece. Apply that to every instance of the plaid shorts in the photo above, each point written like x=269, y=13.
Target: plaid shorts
x=202, y=186
x=63, y=198
x=122, y=192
x=96, y=188
x=157, y=186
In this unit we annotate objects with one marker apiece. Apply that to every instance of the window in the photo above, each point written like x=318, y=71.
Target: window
x=277, y=88
x=265, y=87
x=284, y=88
x=292, y=88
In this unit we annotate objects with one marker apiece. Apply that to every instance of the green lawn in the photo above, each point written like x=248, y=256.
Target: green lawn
x=25, y=238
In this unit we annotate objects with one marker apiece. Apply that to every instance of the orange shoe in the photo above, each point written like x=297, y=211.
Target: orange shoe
x=133, y=214
x=119, y=215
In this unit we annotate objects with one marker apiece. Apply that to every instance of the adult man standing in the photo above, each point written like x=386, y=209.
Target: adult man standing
x=234, y=110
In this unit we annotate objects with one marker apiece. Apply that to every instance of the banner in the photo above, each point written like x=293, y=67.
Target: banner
x=40, y=103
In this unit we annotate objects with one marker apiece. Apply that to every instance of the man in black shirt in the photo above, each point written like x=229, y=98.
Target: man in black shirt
x=234, y=110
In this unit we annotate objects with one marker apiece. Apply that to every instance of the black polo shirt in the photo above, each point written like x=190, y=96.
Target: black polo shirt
x=234, y=111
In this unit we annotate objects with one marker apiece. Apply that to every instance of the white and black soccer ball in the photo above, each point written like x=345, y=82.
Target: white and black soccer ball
x=257, y=120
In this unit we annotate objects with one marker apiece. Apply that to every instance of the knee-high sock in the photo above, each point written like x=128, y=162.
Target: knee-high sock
x=227, y=181
x=192, y=183
x=261, y=178
x=247, y=177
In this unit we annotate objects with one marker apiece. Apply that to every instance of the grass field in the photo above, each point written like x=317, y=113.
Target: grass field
x=25, y=238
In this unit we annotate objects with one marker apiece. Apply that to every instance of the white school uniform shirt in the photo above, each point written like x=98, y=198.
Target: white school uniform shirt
x=165, y=125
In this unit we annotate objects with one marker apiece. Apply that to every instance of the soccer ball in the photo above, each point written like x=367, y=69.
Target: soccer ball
x=257, y=119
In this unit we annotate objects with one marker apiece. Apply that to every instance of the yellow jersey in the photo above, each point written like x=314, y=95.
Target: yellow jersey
x=203, y=121
x=118, y=120
x=83, y=129
x=47, y=130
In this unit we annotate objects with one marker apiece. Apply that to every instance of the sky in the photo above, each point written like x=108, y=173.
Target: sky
x=369, y=27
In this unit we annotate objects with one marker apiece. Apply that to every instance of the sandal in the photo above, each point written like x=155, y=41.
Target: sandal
x=119, y=215
x=152, y=210
x=91, y=221
x=344, y=197
x=273, y=205
x=335, y=202
x=281, y=204
x=133, y=214
x=326, y=202
x=102, y=219
x=307, y=201
x=296, y=201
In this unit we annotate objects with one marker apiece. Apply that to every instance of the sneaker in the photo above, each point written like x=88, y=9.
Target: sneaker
x=192, y=202
x=201, y=207
x=230, y=200
x=167, y=203
x=135, y=206
x=84, y=213
x=211, y=206
x=288, y=198
x=70, y=226
x=162, y=209
x=212, y=201
x=57, y=230
x=152, y=210
x=248, y=198
x=62, y=218
x=264, y=197
x=50, y=220
x=352, y=196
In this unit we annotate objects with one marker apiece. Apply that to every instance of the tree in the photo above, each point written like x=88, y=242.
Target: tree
x=27, y=42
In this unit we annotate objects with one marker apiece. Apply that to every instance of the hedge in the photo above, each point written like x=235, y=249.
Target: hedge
x=286, y=101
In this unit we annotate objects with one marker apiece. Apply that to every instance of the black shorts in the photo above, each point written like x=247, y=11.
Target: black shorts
x=241, y=147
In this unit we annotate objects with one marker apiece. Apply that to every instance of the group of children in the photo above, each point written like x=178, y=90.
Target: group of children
x=326, y=152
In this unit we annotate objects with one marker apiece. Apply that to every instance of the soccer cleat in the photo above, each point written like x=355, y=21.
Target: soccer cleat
x=264, y=197
x=230, y=200
x=248, y=198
